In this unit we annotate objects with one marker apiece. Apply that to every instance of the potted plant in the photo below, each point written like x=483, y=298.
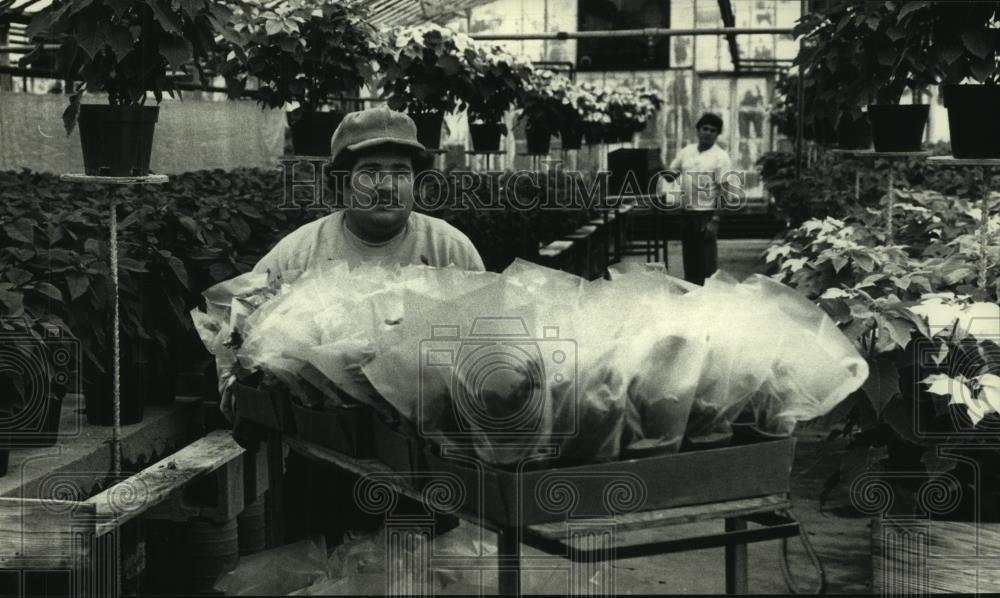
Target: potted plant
x=571, y=129
x=593, y=110
x=498, y=81
x=303, y=55
x=832, y=104
x=963, y=44
x=864, y=54
x=542, y=110
x=125, y=49
x=427, y=71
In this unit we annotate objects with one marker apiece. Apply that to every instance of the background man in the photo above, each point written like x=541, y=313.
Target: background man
x=701, y=167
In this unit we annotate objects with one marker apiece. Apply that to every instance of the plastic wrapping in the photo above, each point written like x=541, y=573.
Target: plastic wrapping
x=279, y=571
x=533, y=361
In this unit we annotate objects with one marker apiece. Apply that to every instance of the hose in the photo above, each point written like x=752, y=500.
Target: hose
x=785, y=570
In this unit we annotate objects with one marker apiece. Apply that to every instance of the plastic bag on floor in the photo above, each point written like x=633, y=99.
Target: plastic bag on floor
x=279, y=571
x=362, y=565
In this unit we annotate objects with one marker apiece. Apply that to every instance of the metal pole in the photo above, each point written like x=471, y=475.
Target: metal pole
x=890, y=205
x=799, y=129
x=648, y=32
x=984, y=227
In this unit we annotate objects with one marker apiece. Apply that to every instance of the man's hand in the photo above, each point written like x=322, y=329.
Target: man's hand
x=226, y=392
x=670, y=175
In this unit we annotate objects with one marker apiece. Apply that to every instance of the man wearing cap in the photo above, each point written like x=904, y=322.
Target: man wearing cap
x=377, y=150
x=378, y=153
x=702, y=168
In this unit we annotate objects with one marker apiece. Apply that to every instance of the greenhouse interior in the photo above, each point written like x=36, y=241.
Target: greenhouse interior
x=499, y=297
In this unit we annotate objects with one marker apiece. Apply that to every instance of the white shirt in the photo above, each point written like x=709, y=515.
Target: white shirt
x=702, y=174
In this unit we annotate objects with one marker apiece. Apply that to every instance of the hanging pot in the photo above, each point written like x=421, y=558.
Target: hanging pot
x=486, y=136
x=312, y=131
x=898, y=128
x=429, y=129
x=117, y=140
x=854, y=133
x=572, y=138
x=973, y=120
x=539, y=139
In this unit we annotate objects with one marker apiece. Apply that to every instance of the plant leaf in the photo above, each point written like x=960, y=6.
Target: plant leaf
x=78, y=284
x=71, y=113
x=165, y=16
x=882, y=384
x=49, y=291
x=912, y=6
x=977, y=41
x=177, y=50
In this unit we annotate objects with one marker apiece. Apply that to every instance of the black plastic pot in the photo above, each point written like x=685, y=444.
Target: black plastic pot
x=821, y=132
x=311, y=133
x=593, y=133
x=429, y=129
x=572, y=138
x=117, y=140
x=898, y=128
x=486, y=136
x=539, y=140
x=854, y=133
x=973, y=120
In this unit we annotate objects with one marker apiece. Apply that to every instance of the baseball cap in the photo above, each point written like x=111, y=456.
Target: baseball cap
x=372, y=127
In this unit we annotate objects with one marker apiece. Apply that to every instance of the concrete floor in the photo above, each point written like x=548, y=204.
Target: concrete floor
x=739, y=257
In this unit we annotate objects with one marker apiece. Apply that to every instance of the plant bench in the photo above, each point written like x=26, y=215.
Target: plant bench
x=49, y=534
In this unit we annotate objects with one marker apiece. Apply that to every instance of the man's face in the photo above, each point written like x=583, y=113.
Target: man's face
x=707, y=134
x=380, y=197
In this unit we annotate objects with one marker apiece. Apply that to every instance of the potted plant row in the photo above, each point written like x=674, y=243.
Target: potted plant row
x=124, y=49
x=857, y=54
x=302, y=55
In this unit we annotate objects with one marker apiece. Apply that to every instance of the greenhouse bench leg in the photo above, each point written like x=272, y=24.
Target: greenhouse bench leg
x=509, y=561
x=736, y=559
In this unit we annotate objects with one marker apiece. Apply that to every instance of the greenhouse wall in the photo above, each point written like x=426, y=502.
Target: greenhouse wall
x=193, y=134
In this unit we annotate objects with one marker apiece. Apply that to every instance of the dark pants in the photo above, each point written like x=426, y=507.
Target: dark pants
x=699, y=240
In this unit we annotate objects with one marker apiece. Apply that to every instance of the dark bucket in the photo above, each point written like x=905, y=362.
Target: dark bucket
x=539, y=140
x=854, y=133
x=429, y=129
x=898, y=128
x=973, y=119
x=312, y=132
x=485, y=136
x=117, y=140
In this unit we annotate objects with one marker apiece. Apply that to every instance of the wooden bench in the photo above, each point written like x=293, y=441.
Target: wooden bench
x=80, y=536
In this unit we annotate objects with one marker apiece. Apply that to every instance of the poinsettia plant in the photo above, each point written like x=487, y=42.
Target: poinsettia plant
x=546, y=104
x=428, y=69
x=301, y=53
x=127, y=48
x=499, y=79
x=917, y=313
